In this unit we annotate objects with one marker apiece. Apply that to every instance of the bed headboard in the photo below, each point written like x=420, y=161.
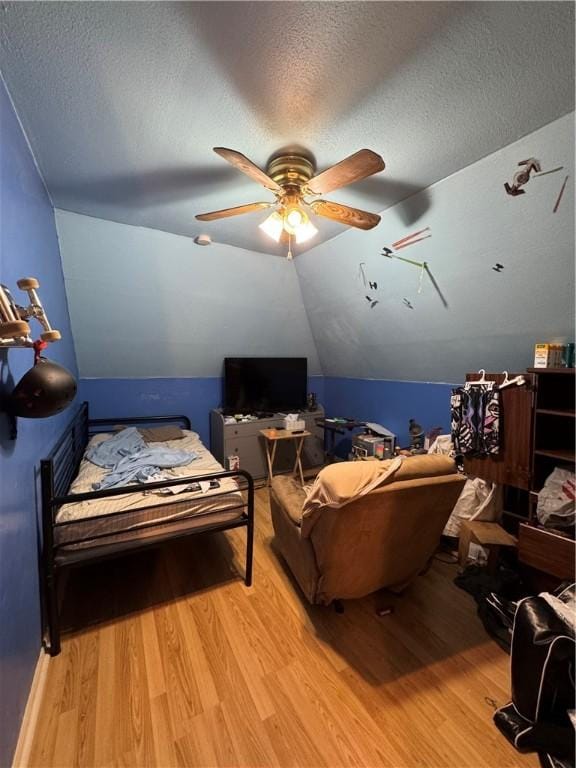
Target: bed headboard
x=63, y=461
x=105, y=425
x=60, y=467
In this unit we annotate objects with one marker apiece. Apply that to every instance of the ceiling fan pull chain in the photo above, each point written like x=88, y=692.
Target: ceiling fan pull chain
x=289, y=254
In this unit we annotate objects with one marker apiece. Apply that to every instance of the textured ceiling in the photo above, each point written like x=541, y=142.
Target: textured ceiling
x=122, y=102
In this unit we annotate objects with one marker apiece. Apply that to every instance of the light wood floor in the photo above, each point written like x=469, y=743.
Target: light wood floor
x=174, y=662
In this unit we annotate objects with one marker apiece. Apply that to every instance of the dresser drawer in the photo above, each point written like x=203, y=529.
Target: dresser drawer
x=251, y=453
x=546, y=551
x=250, y=428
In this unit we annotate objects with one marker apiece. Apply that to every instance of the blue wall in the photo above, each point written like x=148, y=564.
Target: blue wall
x=154, y=397
x=194, y=398
x=390, y=403
x=28, y=247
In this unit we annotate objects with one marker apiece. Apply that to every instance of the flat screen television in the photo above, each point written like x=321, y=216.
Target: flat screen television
x=265, y=384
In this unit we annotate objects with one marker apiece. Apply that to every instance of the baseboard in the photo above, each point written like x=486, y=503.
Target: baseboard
x=29, y=721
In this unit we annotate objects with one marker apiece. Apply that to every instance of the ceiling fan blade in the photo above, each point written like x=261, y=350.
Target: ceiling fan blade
x=239, y=209
x=352, y=217
x=241, y=162
x=358, y=166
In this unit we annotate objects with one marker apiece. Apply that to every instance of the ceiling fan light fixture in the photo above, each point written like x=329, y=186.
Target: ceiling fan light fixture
x=291, y=177
x=305, y=232
x=294, y=218
x=273, y=226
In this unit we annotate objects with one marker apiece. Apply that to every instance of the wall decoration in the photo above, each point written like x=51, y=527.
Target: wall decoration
x=372, y=284
x=545, y=173
x=436, y=286
x=413, y=242
x=498, y=267
x=560, y=195
x=532, y=169
x=47, y=388
x=411, y=239
x=422, y=265
x=14, y=327
x=522, y=177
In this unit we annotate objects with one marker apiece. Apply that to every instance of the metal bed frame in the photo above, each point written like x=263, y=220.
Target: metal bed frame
x=56, y=474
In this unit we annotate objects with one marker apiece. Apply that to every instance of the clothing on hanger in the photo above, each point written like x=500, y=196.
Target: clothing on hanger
x=475, y=418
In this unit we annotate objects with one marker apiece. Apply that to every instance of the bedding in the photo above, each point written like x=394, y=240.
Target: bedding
x=97, y=524
x=131, y=460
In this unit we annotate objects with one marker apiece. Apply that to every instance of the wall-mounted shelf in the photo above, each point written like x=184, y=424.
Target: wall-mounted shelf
x=551, y=371
x=556, y=412
x=562, y=454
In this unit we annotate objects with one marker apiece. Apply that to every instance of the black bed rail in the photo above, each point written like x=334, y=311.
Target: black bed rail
x=67, y=453
x=156, y=485
x=56, y=474
x=102, y=423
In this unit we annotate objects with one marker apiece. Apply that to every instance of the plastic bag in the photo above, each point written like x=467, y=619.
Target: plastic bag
x=556, y=501
x=479, y=500
x=443, y=444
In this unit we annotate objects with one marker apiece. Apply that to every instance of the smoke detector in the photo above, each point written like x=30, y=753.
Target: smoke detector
x=203, y=240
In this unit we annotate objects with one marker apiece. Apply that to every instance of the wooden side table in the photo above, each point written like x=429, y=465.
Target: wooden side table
x=273, y=437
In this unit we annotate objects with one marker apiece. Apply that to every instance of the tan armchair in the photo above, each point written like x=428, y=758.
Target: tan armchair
x=382, y=539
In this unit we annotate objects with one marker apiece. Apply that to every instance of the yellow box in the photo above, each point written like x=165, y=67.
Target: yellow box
x=548, y=355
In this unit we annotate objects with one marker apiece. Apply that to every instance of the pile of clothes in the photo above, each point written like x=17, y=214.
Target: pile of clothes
x=131, y=459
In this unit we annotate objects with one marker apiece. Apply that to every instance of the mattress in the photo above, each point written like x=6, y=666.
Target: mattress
x=116, y=521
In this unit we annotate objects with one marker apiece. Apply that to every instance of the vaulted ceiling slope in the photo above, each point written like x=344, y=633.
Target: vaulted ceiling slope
x=122, y=102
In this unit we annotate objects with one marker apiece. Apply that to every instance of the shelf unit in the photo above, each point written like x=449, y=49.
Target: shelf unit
x=538, y=423
x=553, y=446
x=553, y=425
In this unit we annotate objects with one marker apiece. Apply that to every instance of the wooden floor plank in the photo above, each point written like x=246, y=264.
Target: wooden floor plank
x=104, y=715
x=207, y=742
x=170, y=660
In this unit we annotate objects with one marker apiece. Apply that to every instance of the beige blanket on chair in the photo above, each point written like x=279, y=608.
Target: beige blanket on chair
x=344, y=482
x=341, y=483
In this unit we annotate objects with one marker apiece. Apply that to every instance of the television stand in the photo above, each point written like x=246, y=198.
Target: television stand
x=243, y=439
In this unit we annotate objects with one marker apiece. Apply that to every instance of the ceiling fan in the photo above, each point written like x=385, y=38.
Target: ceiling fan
x=290, y=177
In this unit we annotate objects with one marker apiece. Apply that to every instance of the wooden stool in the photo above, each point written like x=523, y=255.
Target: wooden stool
x=489, y=535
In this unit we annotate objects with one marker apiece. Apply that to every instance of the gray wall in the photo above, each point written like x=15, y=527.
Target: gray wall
x=146, y=303
x=492, y=319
